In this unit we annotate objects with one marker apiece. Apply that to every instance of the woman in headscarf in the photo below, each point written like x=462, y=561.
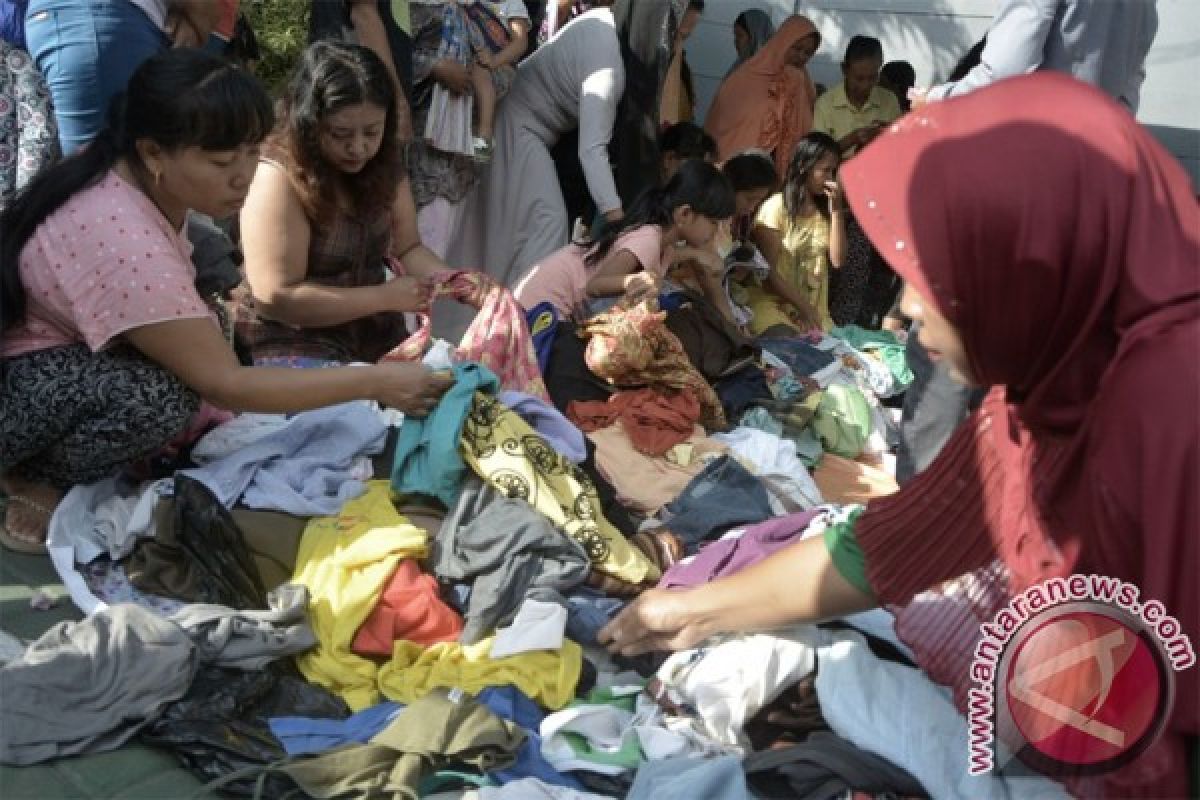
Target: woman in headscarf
x=1050, y=247
x=751, y=30
x=768, y=101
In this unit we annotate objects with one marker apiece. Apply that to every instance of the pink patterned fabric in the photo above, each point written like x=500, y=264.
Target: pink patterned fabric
x=497, y=338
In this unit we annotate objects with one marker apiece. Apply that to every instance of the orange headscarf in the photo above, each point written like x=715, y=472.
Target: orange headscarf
x=765, y=103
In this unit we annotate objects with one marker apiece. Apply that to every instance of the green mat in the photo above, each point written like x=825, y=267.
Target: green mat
x=135, y=772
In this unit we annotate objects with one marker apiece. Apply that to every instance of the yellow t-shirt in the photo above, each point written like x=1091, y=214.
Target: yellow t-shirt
x=835, y=115
x=346, y=561
x=803, y=263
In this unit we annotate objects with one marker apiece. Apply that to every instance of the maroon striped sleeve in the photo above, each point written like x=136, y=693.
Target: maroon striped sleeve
x=937, y=526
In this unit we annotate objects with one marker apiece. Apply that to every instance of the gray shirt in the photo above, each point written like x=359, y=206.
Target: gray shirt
x=1102, y=42
x=577, y=78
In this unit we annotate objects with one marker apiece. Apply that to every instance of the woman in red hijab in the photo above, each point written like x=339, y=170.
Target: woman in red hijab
x=1052, y=249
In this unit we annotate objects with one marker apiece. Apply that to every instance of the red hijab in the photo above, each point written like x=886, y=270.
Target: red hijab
x=1063, y=242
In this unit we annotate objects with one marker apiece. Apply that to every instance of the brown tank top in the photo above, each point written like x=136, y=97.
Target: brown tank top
x=345, y=251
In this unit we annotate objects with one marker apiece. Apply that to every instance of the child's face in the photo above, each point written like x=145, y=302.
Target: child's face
x=824, y=170
x=696, y=229
x=861, y=77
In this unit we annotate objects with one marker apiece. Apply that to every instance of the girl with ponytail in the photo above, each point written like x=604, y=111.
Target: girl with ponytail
x=106, y=348
x=664, y=227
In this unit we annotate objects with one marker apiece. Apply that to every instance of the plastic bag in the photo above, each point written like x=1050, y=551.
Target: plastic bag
x=220, y=725
x=202, y=558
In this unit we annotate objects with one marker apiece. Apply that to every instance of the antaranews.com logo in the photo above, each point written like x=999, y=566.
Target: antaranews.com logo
x=1074, y=676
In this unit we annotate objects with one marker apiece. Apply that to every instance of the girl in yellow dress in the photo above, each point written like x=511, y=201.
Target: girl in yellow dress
x=801, y=232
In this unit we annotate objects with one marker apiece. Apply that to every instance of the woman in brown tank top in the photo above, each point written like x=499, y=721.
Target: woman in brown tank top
x=329, y=204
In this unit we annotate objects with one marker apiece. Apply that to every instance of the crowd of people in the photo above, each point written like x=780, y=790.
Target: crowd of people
x=670, y=333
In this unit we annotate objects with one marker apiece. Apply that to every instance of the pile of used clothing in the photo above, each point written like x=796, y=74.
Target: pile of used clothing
x=343, y=604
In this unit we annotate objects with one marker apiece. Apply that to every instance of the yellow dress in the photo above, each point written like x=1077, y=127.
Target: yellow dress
x=803, y=263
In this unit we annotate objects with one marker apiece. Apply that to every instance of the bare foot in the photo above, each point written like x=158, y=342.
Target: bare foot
x=29, y=507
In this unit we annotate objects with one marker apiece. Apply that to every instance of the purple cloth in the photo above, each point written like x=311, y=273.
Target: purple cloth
x=727, y=556
x=549, y=422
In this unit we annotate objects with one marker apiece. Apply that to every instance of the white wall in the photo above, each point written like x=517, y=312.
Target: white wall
x=1170, y=104
x=933, y=34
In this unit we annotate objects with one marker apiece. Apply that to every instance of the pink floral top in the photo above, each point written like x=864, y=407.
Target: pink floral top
x=104, y=263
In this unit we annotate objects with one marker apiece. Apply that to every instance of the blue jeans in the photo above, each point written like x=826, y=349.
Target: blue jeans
x=723, y=496
x=88, y=50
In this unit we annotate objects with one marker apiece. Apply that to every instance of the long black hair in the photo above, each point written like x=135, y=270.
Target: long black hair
x=331, y=76
x=809, y=150
x=179, y=98
x=697, y=184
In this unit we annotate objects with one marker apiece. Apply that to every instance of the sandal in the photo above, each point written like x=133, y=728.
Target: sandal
x=20, y=544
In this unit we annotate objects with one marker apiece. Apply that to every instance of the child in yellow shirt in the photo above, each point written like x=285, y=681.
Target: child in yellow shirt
x=802, y=233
